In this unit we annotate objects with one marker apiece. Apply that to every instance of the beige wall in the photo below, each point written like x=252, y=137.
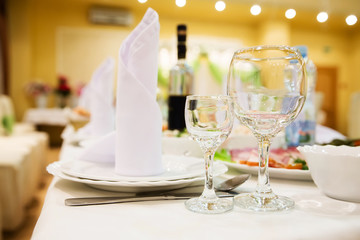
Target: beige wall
x=354, y=78
x=274, y=32
x=332, y=49
x=20, y=53
x=36, y=33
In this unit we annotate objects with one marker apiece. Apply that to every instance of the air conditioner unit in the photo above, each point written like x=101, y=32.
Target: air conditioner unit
x=110, y=15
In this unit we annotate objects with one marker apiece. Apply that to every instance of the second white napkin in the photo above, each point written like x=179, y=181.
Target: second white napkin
x=98, y=94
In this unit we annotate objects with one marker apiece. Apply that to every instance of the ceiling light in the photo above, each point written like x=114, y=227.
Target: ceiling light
x=220, y=6
x=255, y=10
x=142, y=1
x=290, y=13
x=322, y=17
x=180, y=3
x=351, y=20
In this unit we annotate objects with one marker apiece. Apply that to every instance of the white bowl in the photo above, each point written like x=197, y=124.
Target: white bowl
x=335, y=170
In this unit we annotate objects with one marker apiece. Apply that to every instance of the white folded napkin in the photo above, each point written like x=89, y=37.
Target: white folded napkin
x=135, y=146
x=98, y=96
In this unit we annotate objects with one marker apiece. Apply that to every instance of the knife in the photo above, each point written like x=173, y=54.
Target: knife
x=110, y=200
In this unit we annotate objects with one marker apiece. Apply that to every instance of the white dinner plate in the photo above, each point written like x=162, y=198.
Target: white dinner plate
x=139, y=186
x=175, y=167
x=293, y=174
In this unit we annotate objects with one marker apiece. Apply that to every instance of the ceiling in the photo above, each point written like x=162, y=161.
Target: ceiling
x=339, y=7
x=238, y=11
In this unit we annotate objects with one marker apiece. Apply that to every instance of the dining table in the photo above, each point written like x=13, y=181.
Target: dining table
x=315, y=216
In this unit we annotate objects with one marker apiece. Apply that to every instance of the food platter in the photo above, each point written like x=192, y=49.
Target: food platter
x=292, y=174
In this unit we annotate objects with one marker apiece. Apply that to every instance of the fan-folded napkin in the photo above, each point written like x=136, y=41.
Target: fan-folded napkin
x=98, y=94
x=135, y=145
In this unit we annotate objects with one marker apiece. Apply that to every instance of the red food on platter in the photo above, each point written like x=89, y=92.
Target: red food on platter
x=289, y=158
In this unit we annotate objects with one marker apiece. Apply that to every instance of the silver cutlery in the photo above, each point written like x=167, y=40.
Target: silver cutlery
x=224, y=190
x=108, y=200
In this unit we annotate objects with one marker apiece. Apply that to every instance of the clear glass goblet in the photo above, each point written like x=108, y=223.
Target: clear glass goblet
x=209, y=121
x=268, y=87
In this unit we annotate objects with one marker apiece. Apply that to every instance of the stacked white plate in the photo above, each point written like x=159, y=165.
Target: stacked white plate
x=180, y=171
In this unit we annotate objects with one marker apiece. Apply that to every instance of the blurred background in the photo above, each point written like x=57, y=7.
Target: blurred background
x=49, y=50
x=43, y=41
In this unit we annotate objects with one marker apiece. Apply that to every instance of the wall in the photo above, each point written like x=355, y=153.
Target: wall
x=354, y=78
x=36, y=32
x=331, y=49
x=20, y=52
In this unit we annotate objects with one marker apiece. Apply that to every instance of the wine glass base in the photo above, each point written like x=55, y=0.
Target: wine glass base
x=252, y=202
x=218, y=205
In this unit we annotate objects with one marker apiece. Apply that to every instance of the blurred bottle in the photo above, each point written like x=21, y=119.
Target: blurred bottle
x=180, y=84
x=302, y=130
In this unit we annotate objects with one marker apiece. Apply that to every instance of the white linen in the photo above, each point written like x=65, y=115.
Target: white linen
x=85, y=98
x=99, y=95
x=138, y=117
x=14, y=174
x=325, y=134
x=37, y=144
x=48, y=116
x=18, y=171
x=314, y=217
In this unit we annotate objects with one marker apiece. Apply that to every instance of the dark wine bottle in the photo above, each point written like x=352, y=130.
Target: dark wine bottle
x=180, y=84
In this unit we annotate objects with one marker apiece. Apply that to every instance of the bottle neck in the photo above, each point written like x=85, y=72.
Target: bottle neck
x=181, y=50
x=181, y=61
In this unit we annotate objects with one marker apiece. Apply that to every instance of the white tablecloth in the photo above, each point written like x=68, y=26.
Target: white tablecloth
x=48, y=116
x=314, y=217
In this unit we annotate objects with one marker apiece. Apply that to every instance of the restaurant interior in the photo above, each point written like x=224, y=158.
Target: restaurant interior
x=52, y=46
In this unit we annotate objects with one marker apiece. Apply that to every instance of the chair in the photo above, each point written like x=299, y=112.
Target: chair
x=14, y=174
x=22, y=164
x=7, y=117
x=22, y=130
x=37, y=155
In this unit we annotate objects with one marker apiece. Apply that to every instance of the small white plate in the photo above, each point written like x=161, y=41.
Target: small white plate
x=140, y=186
x=293, y=174
x=176, y=167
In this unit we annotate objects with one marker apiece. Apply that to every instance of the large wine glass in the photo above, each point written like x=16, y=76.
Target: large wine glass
x=268, y=87
x=209, y=121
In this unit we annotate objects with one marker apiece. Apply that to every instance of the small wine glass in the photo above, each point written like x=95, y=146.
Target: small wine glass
x=268, y=87
x=209, y=121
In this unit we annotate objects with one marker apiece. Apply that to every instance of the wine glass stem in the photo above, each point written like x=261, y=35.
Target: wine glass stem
x=263, y=187
x=209, y=191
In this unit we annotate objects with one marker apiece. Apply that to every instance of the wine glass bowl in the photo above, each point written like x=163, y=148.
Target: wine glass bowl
x=209, y=121
x=268, y=87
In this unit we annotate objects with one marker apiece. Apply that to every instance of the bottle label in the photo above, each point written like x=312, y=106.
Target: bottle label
x=176, y=119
